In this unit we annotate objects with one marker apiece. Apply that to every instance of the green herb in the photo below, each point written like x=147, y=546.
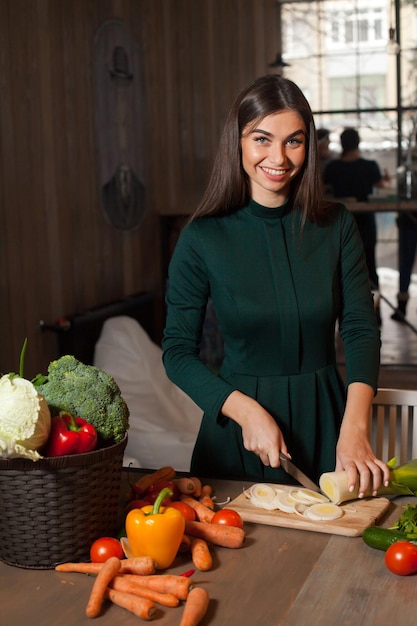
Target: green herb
x=407, y=522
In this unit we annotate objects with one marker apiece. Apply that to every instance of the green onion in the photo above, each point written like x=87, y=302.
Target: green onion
x=404, y=476
x=403, y=481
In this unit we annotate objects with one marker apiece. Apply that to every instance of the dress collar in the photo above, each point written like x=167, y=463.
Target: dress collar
x=258, y=210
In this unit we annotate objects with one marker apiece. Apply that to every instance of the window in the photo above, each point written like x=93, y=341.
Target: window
x=355, y=26
x=339, y=54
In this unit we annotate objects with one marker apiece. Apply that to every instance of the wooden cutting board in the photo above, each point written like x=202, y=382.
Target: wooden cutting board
x=357, y=515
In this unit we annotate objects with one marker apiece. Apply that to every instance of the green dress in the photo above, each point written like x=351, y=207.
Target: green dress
x=277, y=296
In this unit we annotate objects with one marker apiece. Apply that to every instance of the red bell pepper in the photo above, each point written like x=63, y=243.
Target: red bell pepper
x=70, y=435
x=155, y=489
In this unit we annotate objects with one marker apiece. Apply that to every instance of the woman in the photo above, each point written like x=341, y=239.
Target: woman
x=280, y=268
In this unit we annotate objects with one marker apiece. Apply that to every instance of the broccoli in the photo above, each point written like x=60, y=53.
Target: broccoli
x=85, y=391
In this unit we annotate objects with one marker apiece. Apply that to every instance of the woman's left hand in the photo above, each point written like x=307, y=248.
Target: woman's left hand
x=363, y=466
x=354, y=453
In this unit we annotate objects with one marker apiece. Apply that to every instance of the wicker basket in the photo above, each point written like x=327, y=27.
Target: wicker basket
x=53, y=509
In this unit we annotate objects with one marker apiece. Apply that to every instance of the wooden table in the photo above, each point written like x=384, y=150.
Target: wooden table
x=380, y=205
x=281, y=577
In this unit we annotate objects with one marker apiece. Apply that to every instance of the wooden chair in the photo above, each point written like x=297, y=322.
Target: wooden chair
x=393, y=424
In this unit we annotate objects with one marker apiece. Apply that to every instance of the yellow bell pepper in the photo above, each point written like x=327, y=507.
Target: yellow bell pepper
x=156, y=531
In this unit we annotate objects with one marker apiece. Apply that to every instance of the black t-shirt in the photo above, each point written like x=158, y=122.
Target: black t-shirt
x=352, y=179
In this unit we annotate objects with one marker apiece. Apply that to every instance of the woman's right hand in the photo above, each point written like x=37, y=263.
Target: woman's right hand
x=260, y=432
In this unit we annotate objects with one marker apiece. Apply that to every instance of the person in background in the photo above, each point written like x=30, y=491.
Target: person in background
x=282, y=267
x=352, y=176
x=407, y=240
x=323, y=142
x=407, y=248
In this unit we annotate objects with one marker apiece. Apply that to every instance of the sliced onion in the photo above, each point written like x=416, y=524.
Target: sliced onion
x=286, y=502
x=304, y=502
x=300, y=509
x=263, y=504
x=323, y=512
x=264, y=496
x=262, y=491
x=308, y=496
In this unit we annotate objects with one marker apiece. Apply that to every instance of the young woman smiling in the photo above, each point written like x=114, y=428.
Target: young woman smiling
x=273, y=153
x=282, y=267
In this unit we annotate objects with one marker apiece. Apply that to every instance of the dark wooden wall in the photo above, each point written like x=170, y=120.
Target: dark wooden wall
x=58, y=253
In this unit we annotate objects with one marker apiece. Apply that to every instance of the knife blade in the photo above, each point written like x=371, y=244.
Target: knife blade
x=296, y=473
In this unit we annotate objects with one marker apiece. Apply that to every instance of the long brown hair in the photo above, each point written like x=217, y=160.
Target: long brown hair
x=228, y=189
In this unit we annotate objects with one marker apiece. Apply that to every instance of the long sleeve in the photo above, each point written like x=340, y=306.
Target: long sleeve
x=358, y=329
x=187, y=296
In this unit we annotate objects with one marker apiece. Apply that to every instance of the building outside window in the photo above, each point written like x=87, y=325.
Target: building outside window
x=356, y=62
x=339, y=52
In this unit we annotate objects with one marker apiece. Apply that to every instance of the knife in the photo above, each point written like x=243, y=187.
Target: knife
x=296, y=473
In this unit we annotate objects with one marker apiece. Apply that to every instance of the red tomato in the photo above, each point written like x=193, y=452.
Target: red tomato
x=187, y=511
x=401, y=558
x=228, y=518
x=105, y=547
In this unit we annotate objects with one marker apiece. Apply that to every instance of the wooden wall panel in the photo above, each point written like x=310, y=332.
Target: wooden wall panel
x=200, y=54
x=8, y=268
x=58, y=254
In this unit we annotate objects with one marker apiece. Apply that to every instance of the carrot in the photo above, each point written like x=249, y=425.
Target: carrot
x=206, y=490
x=120, y=583
x=205, y=497
x=219, y=534
x=163, y=473
x=197, y=486
x=203, y=513
x=164, y=583
x=82, y=568
x=142, y=607
x=200, y=554
x=105, y=575
x=185, y=545
x=184, y=485
x=207, y=501
x=143, y=565
x=195, y=607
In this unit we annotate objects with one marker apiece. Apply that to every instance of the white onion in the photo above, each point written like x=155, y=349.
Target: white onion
x=308, y=496
x=324, y=512
x=264, y=496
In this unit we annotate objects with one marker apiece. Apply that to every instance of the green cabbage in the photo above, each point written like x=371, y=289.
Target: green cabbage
x=25, y=418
